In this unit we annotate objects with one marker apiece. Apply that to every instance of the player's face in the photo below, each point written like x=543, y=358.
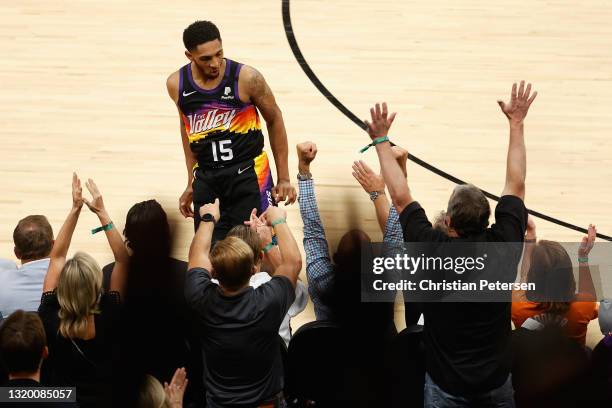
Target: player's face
x=208, y=57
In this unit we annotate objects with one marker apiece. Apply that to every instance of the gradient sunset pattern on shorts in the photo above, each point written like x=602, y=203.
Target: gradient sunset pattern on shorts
x=264, y=179
x=220, y=117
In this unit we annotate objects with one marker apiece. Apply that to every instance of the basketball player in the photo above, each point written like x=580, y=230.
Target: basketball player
x=218, y=101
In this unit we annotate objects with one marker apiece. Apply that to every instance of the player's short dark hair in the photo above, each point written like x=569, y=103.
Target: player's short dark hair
x=22, y=341
x=200, y=32
x=468, y=210
x=33, y=237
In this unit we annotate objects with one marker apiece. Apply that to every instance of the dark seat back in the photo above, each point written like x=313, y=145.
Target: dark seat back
x=406, y=368
x=315, y=363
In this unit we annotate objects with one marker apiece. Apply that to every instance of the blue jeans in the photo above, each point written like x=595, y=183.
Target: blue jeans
x=501, y=397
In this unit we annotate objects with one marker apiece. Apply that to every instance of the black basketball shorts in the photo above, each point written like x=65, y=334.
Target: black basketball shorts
x=239, y=187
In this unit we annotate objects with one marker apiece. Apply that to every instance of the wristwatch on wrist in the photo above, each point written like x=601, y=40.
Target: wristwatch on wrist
x=375, y=194
x=208, y=217
x=304, y=176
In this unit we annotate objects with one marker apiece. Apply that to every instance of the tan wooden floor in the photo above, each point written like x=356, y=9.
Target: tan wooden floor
x=82, y=87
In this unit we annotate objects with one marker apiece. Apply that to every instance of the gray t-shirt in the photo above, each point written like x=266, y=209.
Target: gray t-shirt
x=240, y=341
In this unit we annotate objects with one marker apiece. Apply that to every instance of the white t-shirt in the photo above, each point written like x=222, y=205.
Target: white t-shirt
x=301, y=300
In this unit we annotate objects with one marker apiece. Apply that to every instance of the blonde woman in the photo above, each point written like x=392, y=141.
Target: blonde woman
x=75, y=311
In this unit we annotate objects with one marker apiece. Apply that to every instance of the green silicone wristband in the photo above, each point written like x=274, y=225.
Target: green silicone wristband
x=269, y=247
x=376, y=141
x=106, y=227
x=279, y=221
x=583, y=259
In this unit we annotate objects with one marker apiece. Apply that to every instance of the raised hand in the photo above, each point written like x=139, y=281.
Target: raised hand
x=517, y=108
x=381, y=121
x=254, y=221
x=284, y=191
x=369, y=180
x=175, y=391
x=306, y=151
x=77, y=192
x=587, y=242
x=211, y=208
x=96, y=205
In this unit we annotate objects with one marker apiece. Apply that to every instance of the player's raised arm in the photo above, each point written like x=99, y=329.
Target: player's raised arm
x=394, y=177
x=186, y=199
x=261, y=96
x=516, y=163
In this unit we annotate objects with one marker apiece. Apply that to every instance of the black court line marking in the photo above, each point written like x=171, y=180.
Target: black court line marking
x=295, y=48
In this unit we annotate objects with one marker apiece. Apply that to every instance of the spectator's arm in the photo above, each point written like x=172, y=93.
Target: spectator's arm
x=381, y=207
x=62, y=243
x=122, y=259
x=373, y=183
x=516, y=163
x=271, y=254
x=528, y=245
x=291, y=259
x=392, y=173
x=201, y=243
x=394, y=177
x=393, y=229
x=318, y=263
x=586, y=288
x=272, y=260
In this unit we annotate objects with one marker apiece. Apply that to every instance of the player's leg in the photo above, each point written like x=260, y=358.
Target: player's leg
x=203, y=192
x=251, y=188
x=261, y=165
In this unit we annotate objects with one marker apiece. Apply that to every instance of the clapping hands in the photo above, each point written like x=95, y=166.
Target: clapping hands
x=77, y=192
x=96, y=204
x=176, y=389
x=259, y=225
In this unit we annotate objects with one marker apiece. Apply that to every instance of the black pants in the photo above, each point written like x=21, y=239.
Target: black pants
x=239, y=187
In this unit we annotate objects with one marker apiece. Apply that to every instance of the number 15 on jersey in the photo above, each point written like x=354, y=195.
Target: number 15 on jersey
x=224, y=150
